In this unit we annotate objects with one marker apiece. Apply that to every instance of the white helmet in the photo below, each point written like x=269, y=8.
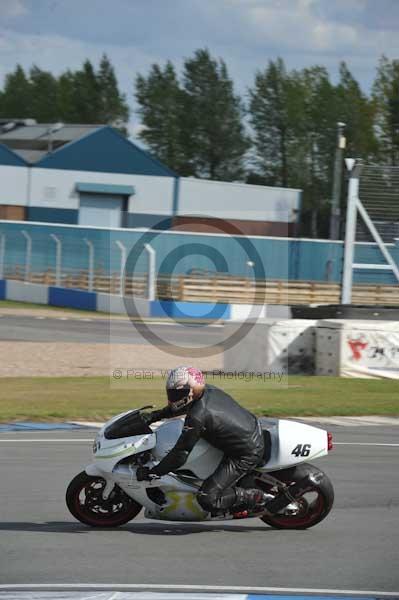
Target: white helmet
x=182, y=385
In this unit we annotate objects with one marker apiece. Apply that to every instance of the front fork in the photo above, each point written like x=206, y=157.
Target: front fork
x=94, y=471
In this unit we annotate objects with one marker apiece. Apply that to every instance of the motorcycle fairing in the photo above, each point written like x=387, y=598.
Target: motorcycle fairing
x=286, y=437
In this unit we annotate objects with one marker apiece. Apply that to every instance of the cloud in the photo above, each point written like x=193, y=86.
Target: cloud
x=304, y=27
x=57, y=35
x=12, y=9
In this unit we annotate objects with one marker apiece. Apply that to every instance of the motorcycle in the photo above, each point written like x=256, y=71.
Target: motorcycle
x=107, y=493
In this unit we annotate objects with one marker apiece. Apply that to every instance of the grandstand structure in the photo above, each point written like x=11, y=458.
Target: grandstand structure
x=372, y=212
x=379, y=193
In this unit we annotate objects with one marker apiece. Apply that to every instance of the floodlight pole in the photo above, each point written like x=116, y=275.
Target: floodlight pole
x=335, y=215
x=91, y=264
x=28, y=255
x=350, y=232
x=58, y=258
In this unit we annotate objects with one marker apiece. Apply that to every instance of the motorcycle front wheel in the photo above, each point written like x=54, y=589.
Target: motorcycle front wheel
x=312, y=507
x=85, y=502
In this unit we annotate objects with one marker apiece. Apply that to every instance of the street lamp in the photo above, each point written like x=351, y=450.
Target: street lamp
x=335, y=215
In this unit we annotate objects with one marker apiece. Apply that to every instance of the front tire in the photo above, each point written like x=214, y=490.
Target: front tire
x=85, y=502
x=314, y=504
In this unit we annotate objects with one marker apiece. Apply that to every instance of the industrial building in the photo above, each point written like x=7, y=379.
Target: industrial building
x=90, y=175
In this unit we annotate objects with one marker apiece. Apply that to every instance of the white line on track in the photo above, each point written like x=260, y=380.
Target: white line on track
x=192, y=588
x=363, y=444
x=59, y=441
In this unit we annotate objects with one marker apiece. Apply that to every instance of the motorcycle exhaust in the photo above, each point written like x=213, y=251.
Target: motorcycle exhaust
x=293, y=492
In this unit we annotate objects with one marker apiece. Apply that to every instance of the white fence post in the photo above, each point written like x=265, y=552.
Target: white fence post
x=122, y=248
x=350, y=233
x=58, y=258
x=151, y=272
x=2, y=254
x=91, y=264
x=28, y=254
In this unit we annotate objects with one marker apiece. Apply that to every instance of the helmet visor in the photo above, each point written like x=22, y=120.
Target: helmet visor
x=178, y=397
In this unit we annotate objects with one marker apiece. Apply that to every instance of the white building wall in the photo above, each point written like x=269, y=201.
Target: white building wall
x=13, y=185
x=56, y=188
x=237, y=201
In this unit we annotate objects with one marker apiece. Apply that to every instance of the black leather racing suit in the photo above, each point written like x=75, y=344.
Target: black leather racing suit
x=226, y=425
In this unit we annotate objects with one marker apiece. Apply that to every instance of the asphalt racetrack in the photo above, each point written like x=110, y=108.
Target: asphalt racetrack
x=356, y=547
x=103, y=331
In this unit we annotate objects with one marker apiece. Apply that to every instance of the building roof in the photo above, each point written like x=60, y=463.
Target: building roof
x=77, y=147
x=8, y=158
x=32, y=141
x=107, y=151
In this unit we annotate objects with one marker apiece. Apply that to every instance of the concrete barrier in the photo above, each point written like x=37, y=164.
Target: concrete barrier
x=27, y=292
x=272, y=346
x=113, y=304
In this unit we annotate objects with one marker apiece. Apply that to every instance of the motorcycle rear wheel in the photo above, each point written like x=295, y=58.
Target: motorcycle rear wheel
x=315, y=504
x=85, y=502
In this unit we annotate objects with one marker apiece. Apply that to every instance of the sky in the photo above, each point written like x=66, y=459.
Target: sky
x=61, y=34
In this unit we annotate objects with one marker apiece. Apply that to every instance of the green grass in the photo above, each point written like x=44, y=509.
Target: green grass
x=93, y=398
x=16, y=304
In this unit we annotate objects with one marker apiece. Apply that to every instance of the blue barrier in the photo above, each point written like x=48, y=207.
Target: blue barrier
x=28, y=426
x=72, y=298
x=3, y=286
x=189, y=310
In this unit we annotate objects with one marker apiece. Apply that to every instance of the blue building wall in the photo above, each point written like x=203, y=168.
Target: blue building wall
x=177, y=253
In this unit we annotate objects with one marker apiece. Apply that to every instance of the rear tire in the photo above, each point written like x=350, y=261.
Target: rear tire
x=85, y=502
x=314, y=511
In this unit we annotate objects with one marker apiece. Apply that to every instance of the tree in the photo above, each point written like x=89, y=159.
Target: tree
x=113, y=108
x=315, y=104
x=271, y=122
x=43, y=105
x=160, y=106
x=195, y=128
x=357, y=112
x=86, y=96
x=385, y=94
x=16, y=98
x=293, y=116
x=213, y=132
x=65, y=98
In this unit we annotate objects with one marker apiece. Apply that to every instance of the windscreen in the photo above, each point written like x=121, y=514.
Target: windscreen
x=131, y=424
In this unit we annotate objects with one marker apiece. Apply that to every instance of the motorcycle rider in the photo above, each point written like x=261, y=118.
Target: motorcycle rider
x=213, y=415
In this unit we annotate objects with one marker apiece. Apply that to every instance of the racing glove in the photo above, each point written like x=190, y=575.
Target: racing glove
x=143, y=474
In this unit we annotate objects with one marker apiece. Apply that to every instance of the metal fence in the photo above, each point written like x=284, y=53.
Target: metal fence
x=95, y=259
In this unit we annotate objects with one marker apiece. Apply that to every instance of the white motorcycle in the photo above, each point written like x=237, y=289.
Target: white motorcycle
x=107, y=493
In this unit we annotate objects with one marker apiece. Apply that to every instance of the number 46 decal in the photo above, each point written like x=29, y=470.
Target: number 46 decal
x=302, y=450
